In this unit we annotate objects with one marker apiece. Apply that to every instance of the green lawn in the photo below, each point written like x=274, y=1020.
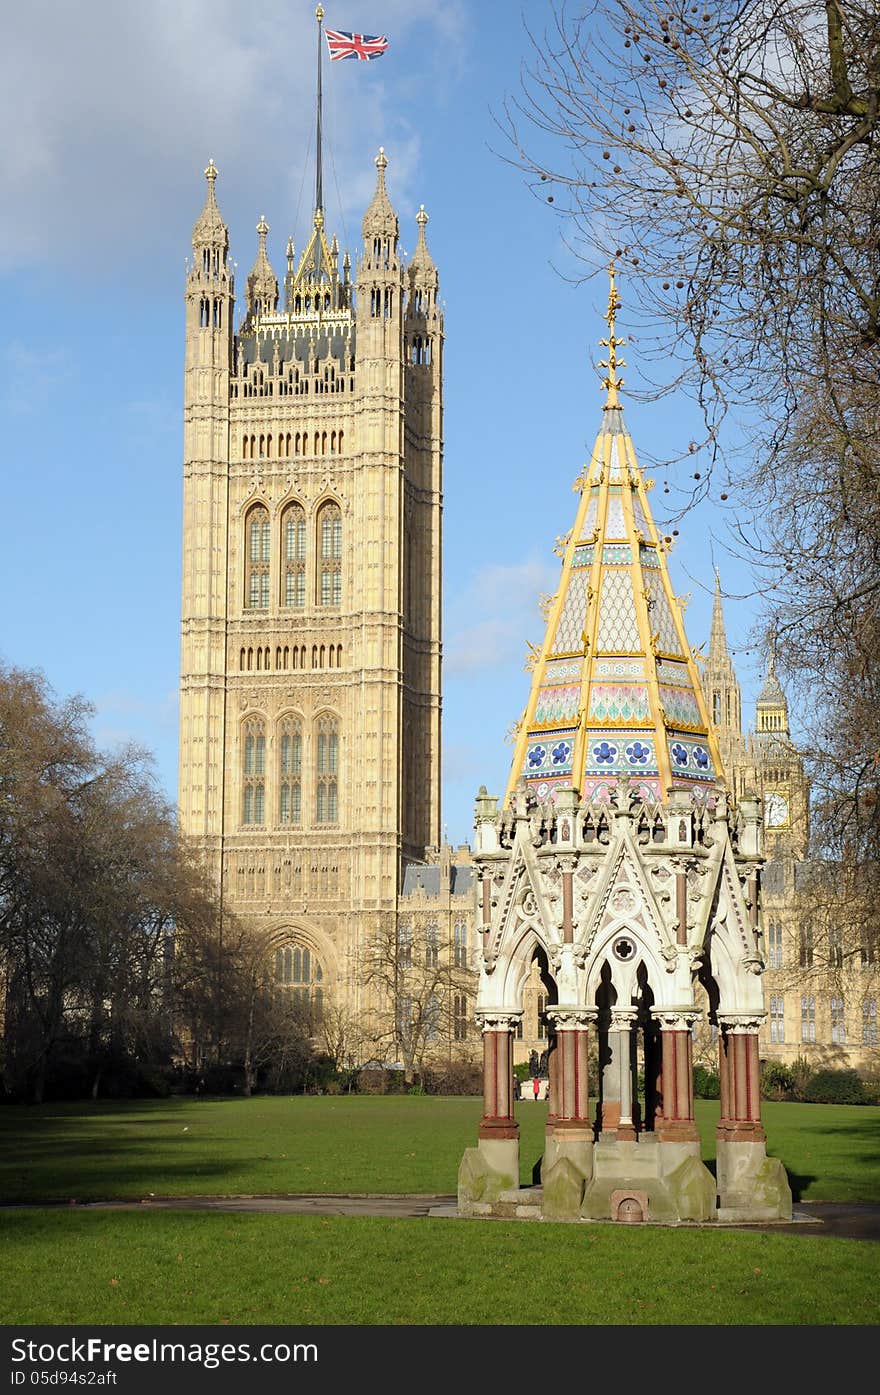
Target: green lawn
x=350, y=1144
x=78, y=1267
x=75, y=1267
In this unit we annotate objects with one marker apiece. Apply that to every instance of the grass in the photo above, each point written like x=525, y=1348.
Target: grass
x=74, y=1267
x=359, y=1144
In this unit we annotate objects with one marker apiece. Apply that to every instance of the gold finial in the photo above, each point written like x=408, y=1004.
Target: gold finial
x=319, y=13
x=612, y=382
x=211, y=172
x=262, y=226
x=381, y=162
x=421, y=216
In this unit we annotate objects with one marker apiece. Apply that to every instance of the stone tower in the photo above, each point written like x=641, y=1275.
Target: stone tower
x=310, y=660
x=618, y=861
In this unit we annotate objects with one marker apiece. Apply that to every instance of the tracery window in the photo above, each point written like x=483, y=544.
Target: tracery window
x=806, y=947
x=330, y=555
x=293, y=565
x=808, y=1018
x=775, y=939
x=869, y=1022
x=257, y=555
x=460, y=947
x=541, y=1033
x=298, y=971
x=327, y=770
x=460, y=1017
x=838, y=1028
x=432, y=1018
x=777, y=1019
x=404, y=946
x=290, y=770
x=253, y=769
x=431, y=947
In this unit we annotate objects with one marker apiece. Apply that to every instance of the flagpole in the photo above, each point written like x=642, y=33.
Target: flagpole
x=319, y=175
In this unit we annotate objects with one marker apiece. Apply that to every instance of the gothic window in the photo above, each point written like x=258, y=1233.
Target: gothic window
x=431, y=947
x=298, y=971
x=806, y=948
x=716, y=709
x=541, y=1033
x=327, y=770
x=869, y=1022
x=838, y=1029
x=775, y=937
x=404, y=946
x=868, y=955
x=460, y=946
x=253, y=770
x=290, y=770
x=835, y=947
x=257, y=558
x=460, y=1017
x=293, y=543
x=777, y=1020
x=808, y=1019
x=330, y=555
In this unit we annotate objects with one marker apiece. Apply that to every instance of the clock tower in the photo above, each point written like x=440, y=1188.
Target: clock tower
x=779, y=772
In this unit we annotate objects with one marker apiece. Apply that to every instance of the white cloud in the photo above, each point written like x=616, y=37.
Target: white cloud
x=112, y=109
x=491, y=619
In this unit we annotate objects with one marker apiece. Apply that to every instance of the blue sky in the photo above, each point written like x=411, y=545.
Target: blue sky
x=111, y=112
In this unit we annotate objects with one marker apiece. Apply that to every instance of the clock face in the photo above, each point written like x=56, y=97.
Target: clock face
x=775, y=810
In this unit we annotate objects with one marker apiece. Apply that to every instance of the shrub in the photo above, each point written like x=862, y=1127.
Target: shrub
x=836, y=1087
x=777, y=1081
x=707, y=1085
x=802, y=1074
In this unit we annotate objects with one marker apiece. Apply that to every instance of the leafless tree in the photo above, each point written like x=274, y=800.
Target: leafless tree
x=415, y=983
x=727, y=155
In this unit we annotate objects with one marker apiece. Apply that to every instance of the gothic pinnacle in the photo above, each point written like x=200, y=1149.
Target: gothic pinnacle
x=611, y=382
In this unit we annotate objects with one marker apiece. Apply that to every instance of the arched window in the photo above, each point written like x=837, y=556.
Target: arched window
x=293, y=541
x=327, y=770
x=869, y=1022
x=460, y=946
x=432, y=950
x=460, y=1011
x=404, y=946
x=290, y=770
x=298, y=969
x=253, y=770
x=330, y=555
x=257, y=558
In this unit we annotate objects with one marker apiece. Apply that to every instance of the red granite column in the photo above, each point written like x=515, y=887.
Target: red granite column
x=498, y=1120
x=677, y=1124
x=740, y=1078
x=571, y=1102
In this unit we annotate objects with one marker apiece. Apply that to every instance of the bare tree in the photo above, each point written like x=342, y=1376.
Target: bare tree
x=415, y=982
x=727, y=155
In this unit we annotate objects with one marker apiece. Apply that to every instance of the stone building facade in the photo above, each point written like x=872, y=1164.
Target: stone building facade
x=310, y=654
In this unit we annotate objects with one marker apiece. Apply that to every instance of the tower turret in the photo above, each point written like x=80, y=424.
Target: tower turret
x=771, y=709
x=720, y=682
x=262, y=283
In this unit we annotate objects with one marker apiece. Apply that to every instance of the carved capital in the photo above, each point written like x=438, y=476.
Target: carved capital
x=740, y=1024
x=622, y=1019
x=493, y=1020
x=676, y=1019
x=571, y=1019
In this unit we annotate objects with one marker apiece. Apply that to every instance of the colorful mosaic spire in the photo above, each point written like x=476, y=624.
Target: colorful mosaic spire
x=615, y=690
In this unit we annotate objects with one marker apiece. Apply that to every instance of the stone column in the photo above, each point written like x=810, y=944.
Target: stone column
x=498, y=1120
x=739, y=1069
x=621, y=1070
x=568, y=1152
x=677, y=1124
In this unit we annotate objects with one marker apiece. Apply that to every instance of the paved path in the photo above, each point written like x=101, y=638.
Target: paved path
x=855, y=1221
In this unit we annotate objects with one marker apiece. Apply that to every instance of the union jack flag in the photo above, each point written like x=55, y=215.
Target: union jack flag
x=363, y=46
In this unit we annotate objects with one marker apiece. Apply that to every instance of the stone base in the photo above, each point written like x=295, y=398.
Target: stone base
x=649, y=1180
x=485, y=1172
x=751, y=1186
x=566, y=1167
